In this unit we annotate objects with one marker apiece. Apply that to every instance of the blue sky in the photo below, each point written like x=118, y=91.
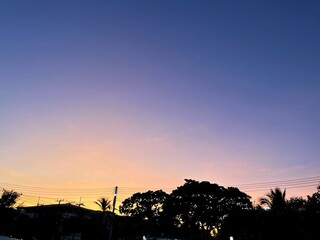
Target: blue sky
x=224, y=91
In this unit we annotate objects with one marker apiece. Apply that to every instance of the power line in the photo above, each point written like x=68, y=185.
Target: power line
x=32, y=195
x=292, y=181
x=301, y=182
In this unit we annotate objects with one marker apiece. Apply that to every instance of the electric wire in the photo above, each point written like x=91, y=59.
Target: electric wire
x=34, y=195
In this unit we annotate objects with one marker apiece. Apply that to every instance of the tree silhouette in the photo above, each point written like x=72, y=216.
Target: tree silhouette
x=146, y=209
x=104, y=204
x=199, y=207
x=313, y=202
x=8, y=213
x=275, y=200
x=9, y=198
x=297, y=205
x=104, y=218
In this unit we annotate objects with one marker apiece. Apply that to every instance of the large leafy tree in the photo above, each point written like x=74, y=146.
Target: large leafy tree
x=234, y=199
x=196, y=205
x=199, y=207
x=275, y=200
x=313, y=202
x=146, y=209
x=296, y=205
x=9, y=198
x=313, y=214
x=144, y=206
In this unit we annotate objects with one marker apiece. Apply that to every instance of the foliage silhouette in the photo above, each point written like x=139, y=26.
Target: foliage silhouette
x=275, y=200
x=191, y=211
x=104, y=204
x=9, y=198
x=200, y=207
x=146, y=209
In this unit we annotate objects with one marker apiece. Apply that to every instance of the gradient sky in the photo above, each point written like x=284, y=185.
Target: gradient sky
x=148, y=93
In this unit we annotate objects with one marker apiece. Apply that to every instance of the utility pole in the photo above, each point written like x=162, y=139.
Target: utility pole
x=113, y=208
x=79, y=204
x=114, y=198
x=58, y=220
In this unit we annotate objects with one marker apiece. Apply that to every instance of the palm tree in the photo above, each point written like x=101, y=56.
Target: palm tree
x=275, y=200
x=104, y=204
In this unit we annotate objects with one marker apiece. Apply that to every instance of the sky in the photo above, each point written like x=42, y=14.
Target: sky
x=144, y=94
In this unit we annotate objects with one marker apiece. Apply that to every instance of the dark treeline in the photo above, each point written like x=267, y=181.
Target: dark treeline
x=195, y=210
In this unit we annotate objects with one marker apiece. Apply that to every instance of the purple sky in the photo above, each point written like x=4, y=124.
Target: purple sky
x=148, y=93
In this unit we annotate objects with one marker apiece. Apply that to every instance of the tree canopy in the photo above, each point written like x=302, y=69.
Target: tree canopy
x=204, y=205
x=147, y=205
x=9, y=198
x=192, y=207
